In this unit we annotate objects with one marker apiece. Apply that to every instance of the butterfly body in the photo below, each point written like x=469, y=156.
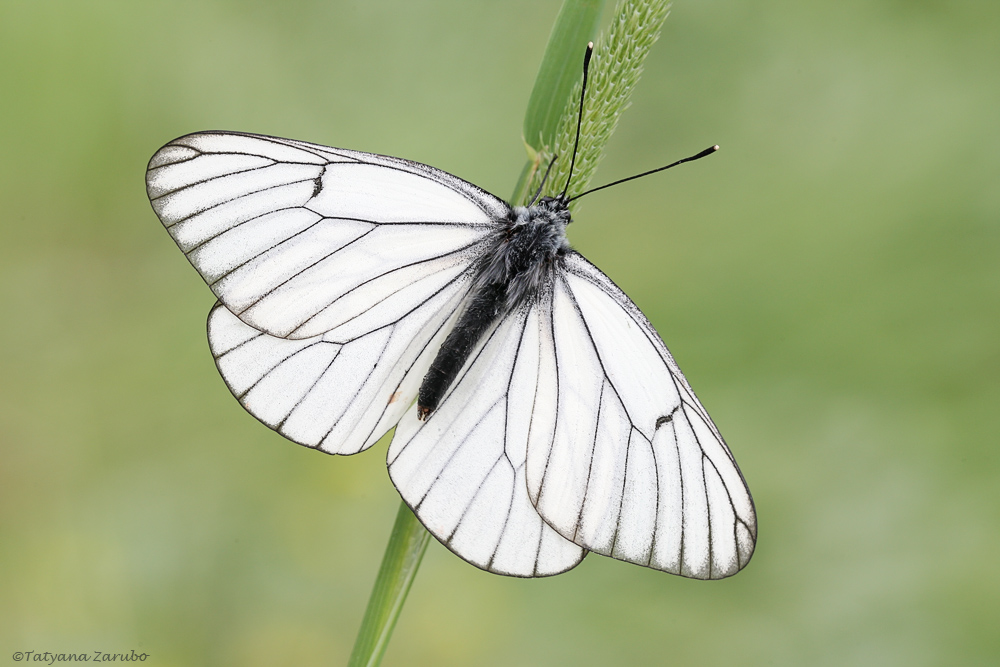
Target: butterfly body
x=516, y=270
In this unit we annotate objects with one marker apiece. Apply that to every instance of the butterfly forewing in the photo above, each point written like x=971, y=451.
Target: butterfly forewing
x=629, y=465
x=297, y=239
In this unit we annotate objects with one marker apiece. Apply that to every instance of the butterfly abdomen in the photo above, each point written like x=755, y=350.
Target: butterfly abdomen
x=514, y=271
x=483, y=306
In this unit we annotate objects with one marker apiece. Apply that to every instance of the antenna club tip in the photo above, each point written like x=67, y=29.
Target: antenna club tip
x=590, y=46
x=706, y=152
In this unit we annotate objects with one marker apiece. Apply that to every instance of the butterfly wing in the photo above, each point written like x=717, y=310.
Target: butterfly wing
x=298, y=240
x=338, y=273
x=462, y=471
x=622, y=458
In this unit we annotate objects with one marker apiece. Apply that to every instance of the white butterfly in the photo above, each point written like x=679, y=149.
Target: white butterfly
x=551, y=418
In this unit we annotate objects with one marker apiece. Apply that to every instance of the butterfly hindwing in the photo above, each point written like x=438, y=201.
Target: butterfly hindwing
x=462, y=470
x=320, y=392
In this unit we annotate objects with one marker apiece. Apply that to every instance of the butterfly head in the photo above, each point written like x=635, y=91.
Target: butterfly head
x=558, y=205
x=541, y=226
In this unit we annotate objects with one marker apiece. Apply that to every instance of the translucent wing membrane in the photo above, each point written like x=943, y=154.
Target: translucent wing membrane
x=299, y=240
x=622, y=458
x=463, y=470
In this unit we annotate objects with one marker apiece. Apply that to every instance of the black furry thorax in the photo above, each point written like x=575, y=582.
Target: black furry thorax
x=545, y=222
x=526, y=251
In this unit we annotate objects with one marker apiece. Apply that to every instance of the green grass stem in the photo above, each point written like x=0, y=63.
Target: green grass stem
x=400, y=563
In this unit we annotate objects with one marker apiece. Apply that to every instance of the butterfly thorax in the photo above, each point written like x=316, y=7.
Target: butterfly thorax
x=516, y=269
x=527, y=253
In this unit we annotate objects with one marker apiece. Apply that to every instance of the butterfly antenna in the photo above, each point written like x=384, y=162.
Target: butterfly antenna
x=544, y=178
x=707, y=151
x=579, y=118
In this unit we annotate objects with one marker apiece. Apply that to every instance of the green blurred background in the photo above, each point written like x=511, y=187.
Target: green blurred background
x=829, y=282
